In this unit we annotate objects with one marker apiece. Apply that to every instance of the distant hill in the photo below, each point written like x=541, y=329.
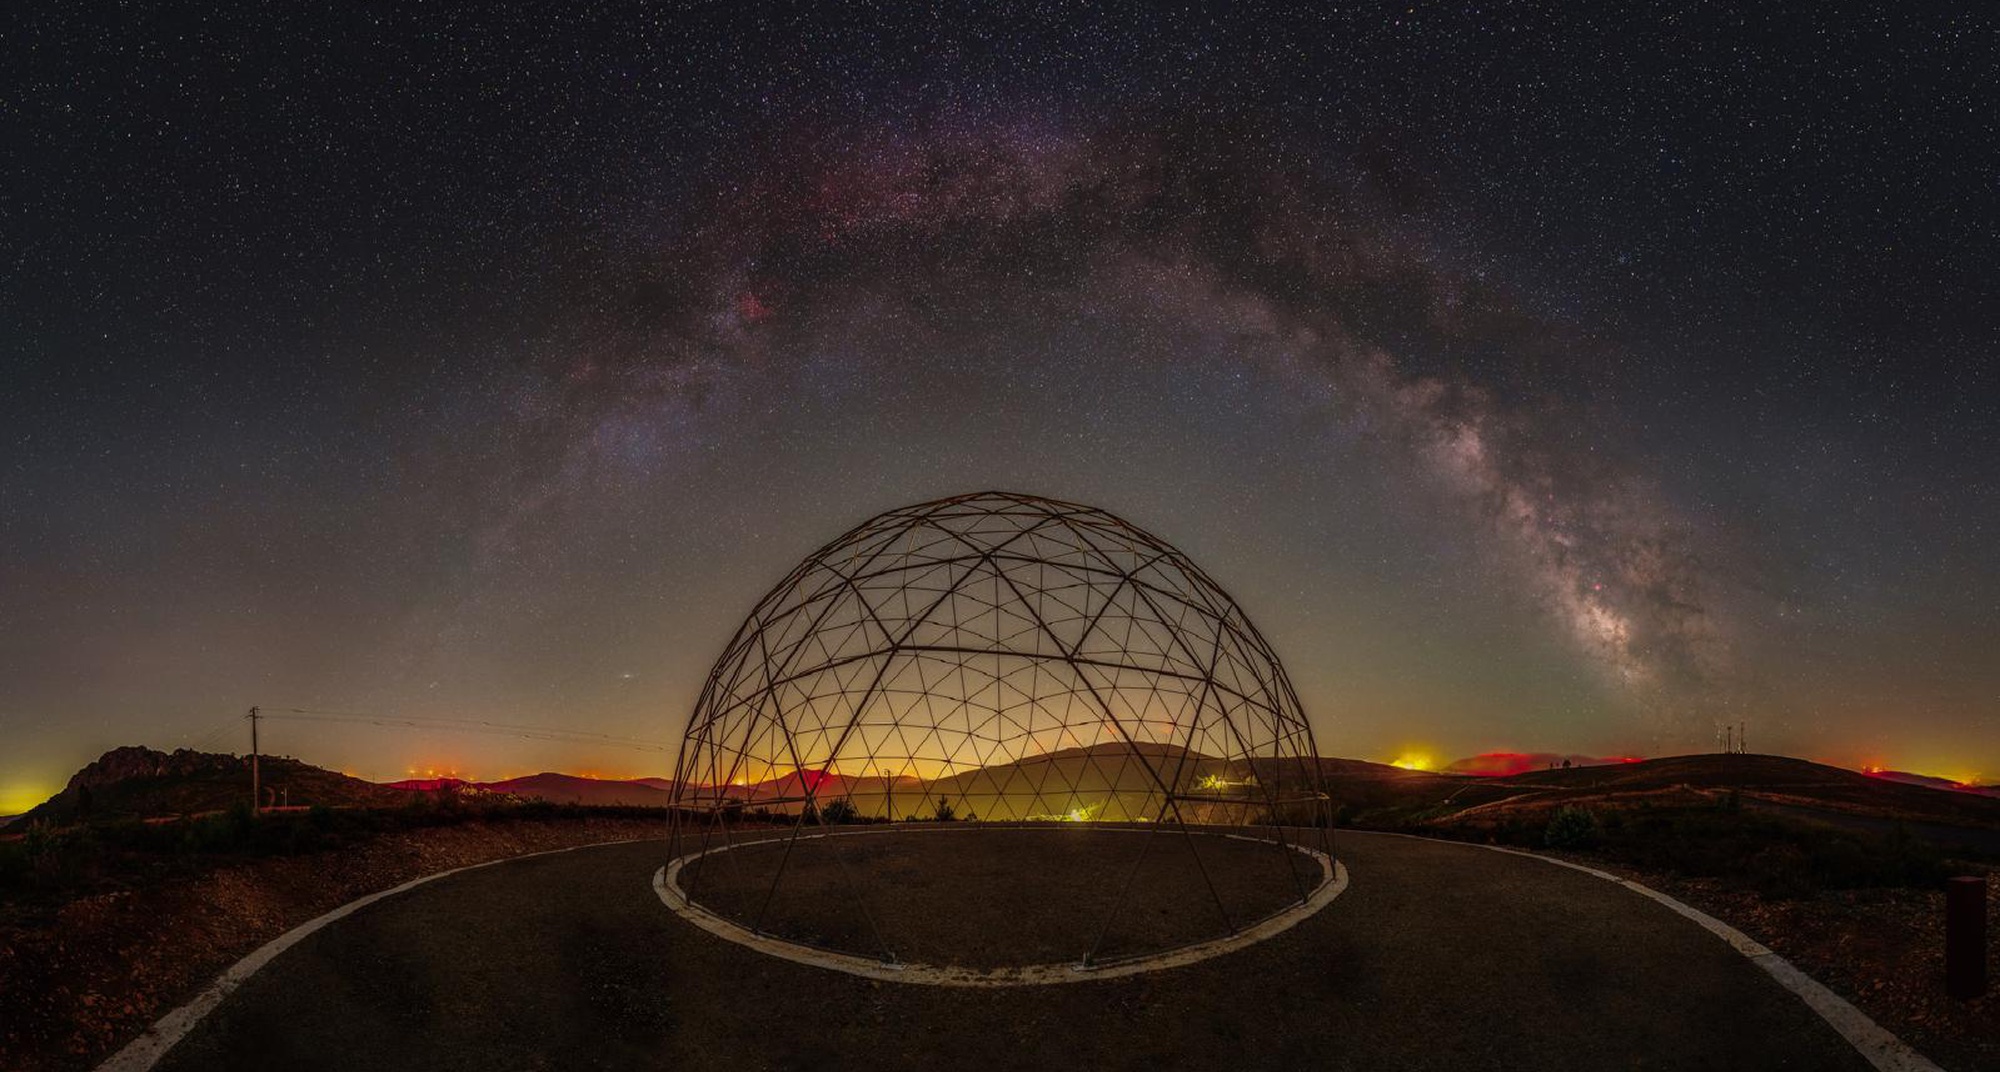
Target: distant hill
x=554, y=788
x=142, y=782
x=1758, y=781
x=1933, y=782
x=572, y=789
x=1102, y=782
x=430, y=785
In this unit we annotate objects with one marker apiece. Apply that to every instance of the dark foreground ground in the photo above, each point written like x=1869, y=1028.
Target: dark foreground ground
x=103, y=933
x=1438, y=956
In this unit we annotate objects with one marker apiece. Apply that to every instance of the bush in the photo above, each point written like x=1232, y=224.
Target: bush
x=944, y=813
x=1777, y=857
x=14, y=864
x=1572, y=827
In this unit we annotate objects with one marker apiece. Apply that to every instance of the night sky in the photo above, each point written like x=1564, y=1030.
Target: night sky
x=1536, y=379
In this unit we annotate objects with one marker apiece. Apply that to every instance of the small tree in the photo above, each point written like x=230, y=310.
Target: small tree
x=837, y=811
x=945, y=813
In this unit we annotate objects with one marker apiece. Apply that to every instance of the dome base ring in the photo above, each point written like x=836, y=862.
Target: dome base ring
x=666, y=884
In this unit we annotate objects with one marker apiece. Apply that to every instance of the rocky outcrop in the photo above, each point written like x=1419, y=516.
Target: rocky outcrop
x=137, y=761
x=144, y=782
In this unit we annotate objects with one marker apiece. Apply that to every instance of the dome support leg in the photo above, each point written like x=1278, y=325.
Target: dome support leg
x=1124, y=889
x=811, y=805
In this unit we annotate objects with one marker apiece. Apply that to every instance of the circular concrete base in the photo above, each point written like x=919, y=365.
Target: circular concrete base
x=667, y=884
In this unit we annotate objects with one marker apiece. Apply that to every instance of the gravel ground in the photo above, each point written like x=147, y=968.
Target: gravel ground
x=986, y=898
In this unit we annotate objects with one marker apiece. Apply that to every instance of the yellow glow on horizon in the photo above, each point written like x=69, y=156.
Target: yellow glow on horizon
x=1962, y=778
x=18, y=797
x=1415, y=760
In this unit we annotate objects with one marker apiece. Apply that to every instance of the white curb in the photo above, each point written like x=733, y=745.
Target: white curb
x=666, y=883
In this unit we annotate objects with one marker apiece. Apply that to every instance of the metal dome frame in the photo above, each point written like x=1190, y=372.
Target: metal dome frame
x=1006, y=659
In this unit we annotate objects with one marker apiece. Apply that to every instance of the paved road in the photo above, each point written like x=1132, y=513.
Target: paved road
x=1438, y=956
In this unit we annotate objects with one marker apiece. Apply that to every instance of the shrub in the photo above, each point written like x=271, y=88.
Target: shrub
x=944, y=813
x=1572, y=827
x=1779, y=858
x=14, y=864
x=1782, y=872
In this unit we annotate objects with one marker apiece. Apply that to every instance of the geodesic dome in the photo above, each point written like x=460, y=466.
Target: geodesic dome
x=1000, y=657
x=1023, y=662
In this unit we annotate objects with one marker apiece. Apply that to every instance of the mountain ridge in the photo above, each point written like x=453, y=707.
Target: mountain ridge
x=135, y=781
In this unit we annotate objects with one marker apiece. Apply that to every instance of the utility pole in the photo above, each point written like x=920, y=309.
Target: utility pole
x=256, y=782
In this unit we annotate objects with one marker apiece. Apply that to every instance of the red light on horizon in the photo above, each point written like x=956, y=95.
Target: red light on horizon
x=1504, y=764
x=1497, y=764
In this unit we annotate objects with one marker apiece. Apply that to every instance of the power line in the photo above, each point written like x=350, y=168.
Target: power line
x=234, y=725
